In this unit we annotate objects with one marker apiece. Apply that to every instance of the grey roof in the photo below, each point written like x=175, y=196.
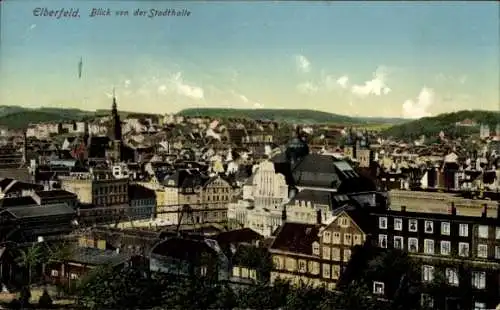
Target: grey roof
x=95, y=257
x=314, y=196
x=40, y=211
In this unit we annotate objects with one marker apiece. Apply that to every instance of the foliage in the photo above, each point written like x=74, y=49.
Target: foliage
x=29, y=258
x=129, y=288
x=432, y=126
x=24, y=118
x=286, y=115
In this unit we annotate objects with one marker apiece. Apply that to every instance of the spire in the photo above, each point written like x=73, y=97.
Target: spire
x=114, y=100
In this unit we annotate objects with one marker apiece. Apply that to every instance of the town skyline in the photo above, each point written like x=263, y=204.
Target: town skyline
x=383, y=60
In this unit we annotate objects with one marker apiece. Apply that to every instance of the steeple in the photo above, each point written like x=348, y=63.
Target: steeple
x=115, y=119
x=114, y=107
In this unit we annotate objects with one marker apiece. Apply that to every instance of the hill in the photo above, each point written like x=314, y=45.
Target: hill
x=287, y=115
x=432, y=126
x=22, y=119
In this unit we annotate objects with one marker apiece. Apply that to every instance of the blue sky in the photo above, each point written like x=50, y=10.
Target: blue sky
x=381, y=59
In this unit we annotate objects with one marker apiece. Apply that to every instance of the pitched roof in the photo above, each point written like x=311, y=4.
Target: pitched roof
x=296, y=238
x=17, y=202
x=40, y=211
x=314, y=196
x=95, y=257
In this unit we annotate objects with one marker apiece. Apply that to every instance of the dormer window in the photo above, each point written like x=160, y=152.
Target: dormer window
x=315, y=248
x=327, y=237
x=344, y=222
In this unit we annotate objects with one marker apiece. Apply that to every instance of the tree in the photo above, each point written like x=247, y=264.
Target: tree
x=30, y=258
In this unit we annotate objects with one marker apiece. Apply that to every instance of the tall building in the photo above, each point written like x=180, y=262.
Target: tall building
x=115, y=132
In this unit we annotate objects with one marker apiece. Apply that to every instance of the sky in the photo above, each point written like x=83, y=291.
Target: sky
x=384, y=59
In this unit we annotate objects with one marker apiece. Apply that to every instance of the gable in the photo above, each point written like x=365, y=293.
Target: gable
x=335, y=221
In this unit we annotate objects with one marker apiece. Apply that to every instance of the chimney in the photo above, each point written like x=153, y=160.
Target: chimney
x=318, y=217
x=484, y=214
x=453, y=209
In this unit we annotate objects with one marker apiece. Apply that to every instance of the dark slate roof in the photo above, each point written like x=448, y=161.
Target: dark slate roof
x=182, y=248
x=41, y=211
x=4, y=182
x=95, y=257
x=296, y=238
x=186, y=178
x=314, y=196
x=244, y=235
x=56, y=193
x=136, y=191
x=17, y=202
x=19, y=186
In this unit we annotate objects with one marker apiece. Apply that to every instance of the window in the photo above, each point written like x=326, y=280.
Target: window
x=302, y=266
x=412, y=225
x=336, y=238
x=291, y=264
x=314, y=267
x=483, y=231
x=463, y=249
x=315, y=248
x=445, y=248
x=336, y=254
x=427, y=301
x=497, y=233
x=73, y=276
x=347, y=239
x=429, y=227
x=278, y=262
x=347, y=255
x=54, y=273
x=357, y=239
x=398, y=242
x=398, y=224
x=479, y=279
x=378, y=288
x=382, y=222
x=413, y=245
x=497, y=252
x=344, y=222
x=335, y=271
x=482, y=250
x=463, y=230
x=326, y=252
x=429, y=246
x=427, y=273
x=327, y=237
x=382, y=241
x=326, y=271
x=451, y=276
x=479, y=306
x=445, y=228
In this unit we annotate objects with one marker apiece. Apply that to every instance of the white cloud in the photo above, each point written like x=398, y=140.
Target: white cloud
x=419, y=108
x=258, y=105
x=185, y=89
x=303, y=64
x=307, y=88
x=247, y=102
x=343, y=81
x=462, y=79
x=127, y=83
x=376, y=86
x=32, y=26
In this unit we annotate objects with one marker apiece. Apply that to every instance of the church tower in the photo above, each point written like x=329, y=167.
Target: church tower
x=116, y=131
